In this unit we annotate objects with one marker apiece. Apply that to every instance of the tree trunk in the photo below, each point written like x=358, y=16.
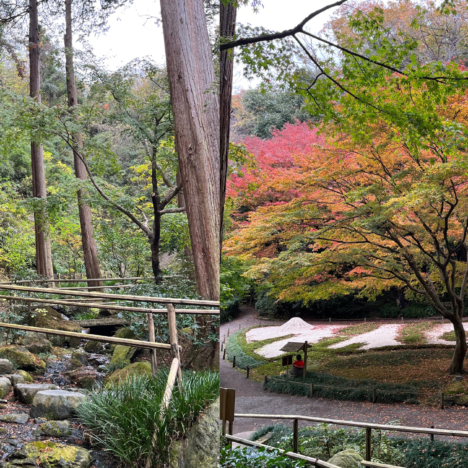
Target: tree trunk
x=43, y=249
x=87, y=234
x=227, y=23
x=195, y=107
x=456, y=366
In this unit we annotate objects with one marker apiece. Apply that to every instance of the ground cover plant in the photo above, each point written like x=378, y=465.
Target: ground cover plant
x=415, y=333
x=123, y=418
x=323, y=441
x=256, y=458
x=236, y=347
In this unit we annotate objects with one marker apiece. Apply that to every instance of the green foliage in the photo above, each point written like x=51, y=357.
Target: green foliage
x=243, y=360
x=123, y=418
x=339, y=388
x=256, y=458
x=234, y=287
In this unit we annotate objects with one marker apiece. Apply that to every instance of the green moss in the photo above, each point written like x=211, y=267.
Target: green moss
x=122, y=356
x=27, y=378
x=22, y=358
x=137, y=368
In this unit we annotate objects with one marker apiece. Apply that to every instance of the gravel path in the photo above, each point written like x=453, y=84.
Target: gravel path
x=250, y=398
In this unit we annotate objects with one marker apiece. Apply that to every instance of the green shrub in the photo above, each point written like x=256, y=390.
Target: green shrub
x=256, y=458
x=340, y=388
x=123, y=418
x=233, y=348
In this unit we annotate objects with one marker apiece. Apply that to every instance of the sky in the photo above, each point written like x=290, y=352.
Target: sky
x=133, y=34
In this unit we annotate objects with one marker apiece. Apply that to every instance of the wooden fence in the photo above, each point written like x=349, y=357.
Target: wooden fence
x=362, y=425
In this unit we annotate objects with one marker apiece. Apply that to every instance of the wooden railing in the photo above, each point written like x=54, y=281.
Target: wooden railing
x=363, y=425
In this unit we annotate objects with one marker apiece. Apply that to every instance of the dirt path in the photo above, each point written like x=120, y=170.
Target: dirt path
x=250, y=398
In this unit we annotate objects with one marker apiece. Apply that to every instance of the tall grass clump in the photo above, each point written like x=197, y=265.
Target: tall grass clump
x=123, y=418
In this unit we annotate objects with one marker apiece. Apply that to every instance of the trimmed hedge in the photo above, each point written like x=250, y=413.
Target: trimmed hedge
x=242, y=360
x=339, y=388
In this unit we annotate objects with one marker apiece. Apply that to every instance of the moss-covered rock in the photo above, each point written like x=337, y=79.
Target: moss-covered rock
x=201, y=446
x=36, y=343
x=121, y=357
x=23, y=359
x=26, y=376
x=346, y=459
x=50, y=455
x=84, y=378
x=47, y=317
x=56, y=428
x=135, y=369
x=456, y=393
x=73, y=364
x=124, y=332
x=93, y=347
x=81, y=355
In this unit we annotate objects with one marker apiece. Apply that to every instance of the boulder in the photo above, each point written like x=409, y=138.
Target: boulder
x=135, y=369
x=56, y=428
x=6, y=367
x=5, y=387
x=201, y=446
x=124, y=333
x=73, y=364
x=14, y=378
x=23, y=359
x=56, y=405
x=86, y=378
x=51, y=455
x=121, y=357
x=27, y=392
x=14, y=418
x=25, y=375
x=81, y=355
x=346, y=459
x=93, y=347
x=36, y=343
x=49, y=318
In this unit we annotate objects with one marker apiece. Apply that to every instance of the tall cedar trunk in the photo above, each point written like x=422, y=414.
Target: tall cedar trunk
x=456, y=366
x=43, y=250
x=87, y=235
x=228, y=15
x=155, y=239
x=195, y=107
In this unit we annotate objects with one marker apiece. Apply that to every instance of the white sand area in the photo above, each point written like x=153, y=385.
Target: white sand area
x=385, y=335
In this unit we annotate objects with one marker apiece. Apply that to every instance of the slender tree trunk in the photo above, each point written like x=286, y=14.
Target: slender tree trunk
x=227, y=23
x=43, y=249
x=87, y=234
x=155, y=239
x=456, y=366
x=195, y=107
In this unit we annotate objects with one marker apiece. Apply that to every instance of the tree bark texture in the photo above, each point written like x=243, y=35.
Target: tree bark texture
x=195, y=105
x=227, y=23
x=456, y=366
x=43, y=250
x=87, y=234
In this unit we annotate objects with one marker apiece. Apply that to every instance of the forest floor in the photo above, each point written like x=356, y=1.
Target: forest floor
x=389, y=366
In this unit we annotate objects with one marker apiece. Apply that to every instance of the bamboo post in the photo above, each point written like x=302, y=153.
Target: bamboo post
x=171, y=318
x=432, y=435
x=234, y=361
x=311, y=390
x=248, y=372
x=224, y=354
x=368, y=443
x=295, y=436
x=374, y=395
x=152, y=337
x=170, y=384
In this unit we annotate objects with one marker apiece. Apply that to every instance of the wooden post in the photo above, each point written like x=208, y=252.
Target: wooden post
x=171, y=318
x=304, y=371
x=248, y=372
x=311, y=390
x=432, y=435
x=265, y=381
x=295, y=436
x=442, y=400
x=152, y=337
x=170, y=384
x=234, y=361
x=224, y=354
x=374, y=395
x=368, y=443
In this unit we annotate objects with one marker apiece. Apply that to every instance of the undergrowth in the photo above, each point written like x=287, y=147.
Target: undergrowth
x=123, y=419
x=234, y=348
